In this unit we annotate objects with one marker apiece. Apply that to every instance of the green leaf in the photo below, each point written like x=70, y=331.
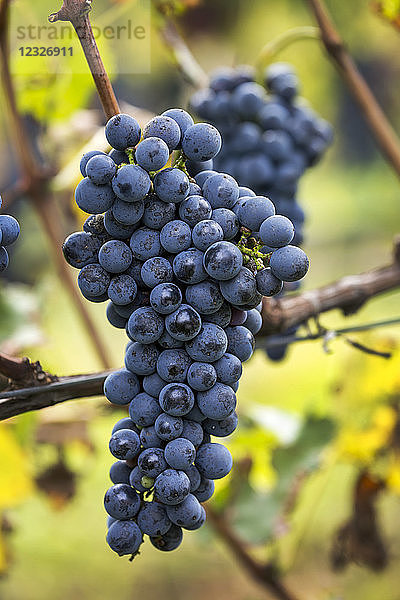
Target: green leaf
x=256, y=513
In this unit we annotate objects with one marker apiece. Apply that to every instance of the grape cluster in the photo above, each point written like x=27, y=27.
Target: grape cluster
x=9, y=232
x=182, y=262
x=270, y=138
x=270, y=135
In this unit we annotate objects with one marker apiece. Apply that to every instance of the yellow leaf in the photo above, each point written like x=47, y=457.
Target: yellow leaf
x=15, y=480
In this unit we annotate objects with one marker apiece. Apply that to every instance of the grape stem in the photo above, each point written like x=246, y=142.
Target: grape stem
x=282, y=41
x=184, y=58
x=77, y=13
x=375, y=118
x=266, y=574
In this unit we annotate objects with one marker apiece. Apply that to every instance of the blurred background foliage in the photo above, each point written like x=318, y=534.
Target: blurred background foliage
x=318, y=446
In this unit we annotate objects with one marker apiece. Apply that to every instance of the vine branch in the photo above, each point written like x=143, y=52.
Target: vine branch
x=184, y=58
x=265, y=574
x=77, y=13
x=376, y=119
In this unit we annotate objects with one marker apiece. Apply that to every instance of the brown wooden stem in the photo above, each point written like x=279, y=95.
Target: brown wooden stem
x=376, y=119
x=77, y=13
x=265, y=574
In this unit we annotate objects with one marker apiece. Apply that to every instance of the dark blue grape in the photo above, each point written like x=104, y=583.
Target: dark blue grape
x=171, y=185
x=223, y=261
x=114, y=318
x=276, y=231
x=145, y=243
x=158, y=213
x=188, y=266
x=209, y=345
x=180, y=453
x=193, y=432
x=228, y=222
x=101, y=169
x=86, y=157
x=151, y=462
x=241, y=342
x=149, y=438
x=124, y=537
x=194, y=209
x=144, y=409
x=254, y=210
x=141, y=359
x=168, y=427
x=81, y=249
x=228, y=368
x=289, y=263
x=153, y=384
x=221, y=428
x=120, y=472
x=176, y=236
x=168, y=541
x=122, y=132
x=120, y=387
x=205, y=297
x=121, y=501
x=173, y=365
x=166, y=298
x=218, y=402
x=152, y=519
x=201, y=142
x=253, y=322
x=171, y=487
x=152, y=154
x=125, y=423
x=184, y=324
x=117, y=230
x=179, y=115
x=127, y=213
x=131, y=183
x=221, y=191
x=185, y=514
x=93, y=280
x=145, y=325
x=205, y=233
x=241, y=289
x=122, y=290
x=124, y=444
x=93, y=199
x=213, y=461
x=267, y=283
x=115, y=256
x=222, y=317
x=165, y=128
x=201, y=376
x=156, y=270
x=176, y=399
x=205, y=489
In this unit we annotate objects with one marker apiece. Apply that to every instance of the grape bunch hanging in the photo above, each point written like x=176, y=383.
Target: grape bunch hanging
x=270, y=138
x=183, y=266
x=9, y=232
x=270, y=135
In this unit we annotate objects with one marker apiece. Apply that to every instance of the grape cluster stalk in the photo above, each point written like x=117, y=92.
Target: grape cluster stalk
x=9, y=232
x=184, y=264
x=271, y=137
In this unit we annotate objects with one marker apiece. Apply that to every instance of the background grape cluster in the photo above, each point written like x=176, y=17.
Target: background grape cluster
x=184, y=264
x=9, y=232
x=271, y=136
